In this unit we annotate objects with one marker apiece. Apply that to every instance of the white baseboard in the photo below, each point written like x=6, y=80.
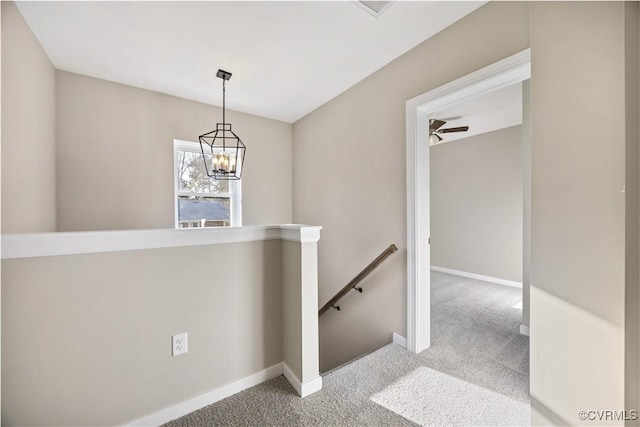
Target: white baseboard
x=399, y=340
x=198, y=402
x=303, y=389
x=524, y=330
x=478, y=277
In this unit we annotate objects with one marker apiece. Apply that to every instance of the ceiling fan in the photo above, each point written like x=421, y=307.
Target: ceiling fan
x=434, y=130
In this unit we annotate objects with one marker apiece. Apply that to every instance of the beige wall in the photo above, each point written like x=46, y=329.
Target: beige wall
x=632, y=213
x=28, y=129
x=526, y=199
x=578, y=209
x=80, y=153
x=349, y=174
x=86, y=339
x=476, y=204
x=638, y=299
x=115, y=156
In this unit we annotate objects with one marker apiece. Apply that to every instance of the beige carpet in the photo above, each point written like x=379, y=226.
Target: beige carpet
x=431, y=398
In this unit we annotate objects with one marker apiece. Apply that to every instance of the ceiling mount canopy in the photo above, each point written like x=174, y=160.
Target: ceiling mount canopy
x=222, y=150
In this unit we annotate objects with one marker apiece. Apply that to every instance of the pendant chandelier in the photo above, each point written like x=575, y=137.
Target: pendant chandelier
x=222, y=150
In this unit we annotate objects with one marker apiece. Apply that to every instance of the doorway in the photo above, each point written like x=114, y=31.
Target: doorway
x=514, y=69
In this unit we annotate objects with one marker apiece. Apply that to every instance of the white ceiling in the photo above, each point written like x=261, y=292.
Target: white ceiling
x=485, y=113
x=287, y=58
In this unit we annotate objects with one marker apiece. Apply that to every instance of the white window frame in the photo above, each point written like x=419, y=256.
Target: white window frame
x=235, y=186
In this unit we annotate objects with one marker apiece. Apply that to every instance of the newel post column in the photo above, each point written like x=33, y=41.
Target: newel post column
x=300, y=307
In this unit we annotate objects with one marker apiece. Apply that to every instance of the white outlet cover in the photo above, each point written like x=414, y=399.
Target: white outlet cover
x=180, y=344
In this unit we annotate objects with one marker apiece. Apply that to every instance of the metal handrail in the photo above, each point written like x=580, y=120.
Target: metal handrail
x=353, y=284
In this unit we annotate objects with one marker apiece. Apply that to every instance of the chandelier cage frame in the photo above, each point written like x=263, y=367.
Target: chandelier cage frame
x=223, y=151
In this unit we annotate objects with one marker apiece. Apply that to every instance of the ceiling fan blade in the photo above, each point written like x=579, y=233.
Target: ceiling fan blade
x=435, y=124
x=458, y=129
x=434, y=138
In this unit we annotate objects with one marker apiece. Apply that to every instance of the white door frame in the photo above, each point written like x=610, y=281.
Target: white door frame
x=513, y=69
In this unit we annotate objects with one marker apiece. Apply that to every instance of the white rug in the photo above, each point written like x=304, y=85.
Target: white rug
x=431, y=398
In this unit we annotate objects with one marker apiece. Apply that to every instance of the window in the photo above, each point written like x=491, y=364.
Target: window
x=201, y=201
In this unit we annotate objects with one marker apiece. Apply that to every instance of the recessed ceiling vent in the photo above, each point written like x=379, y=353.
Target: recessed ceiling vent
x=374, y=8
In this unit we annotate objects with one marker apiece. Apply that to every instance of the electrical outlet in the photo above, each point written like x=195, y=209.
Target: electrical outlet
x=179, y=344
